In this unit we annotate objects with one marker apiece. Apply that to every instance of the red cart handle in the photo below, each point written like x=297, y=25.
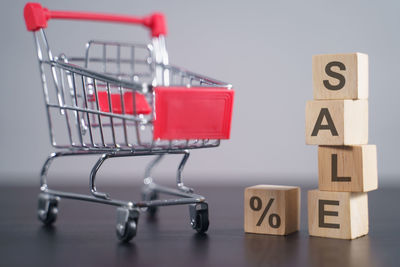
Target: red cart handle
x=36, y=18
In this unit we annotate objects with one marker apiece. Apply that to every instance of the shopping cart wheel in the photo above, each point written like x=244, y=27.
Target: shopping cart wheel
x=127, y=220
x=199, y=217
x=148, y=195
x=47, y=208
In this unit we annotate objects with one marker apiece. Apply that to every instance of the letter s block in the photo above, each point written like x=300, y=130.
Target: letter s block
x=341, y=215
x=272, y=209
x=340, y=76
x=337, y=122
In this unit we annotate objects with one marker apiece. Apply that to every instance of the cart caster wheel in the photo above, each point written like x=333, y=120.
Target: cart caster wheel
x=127, y=232
x=149, y=195
x=199, y=217
x=127, y=220
x=47, y=208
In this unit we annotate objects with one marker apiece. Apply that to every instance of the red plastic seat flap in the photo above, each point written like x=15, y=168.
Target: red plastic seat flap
x=142, y=107
x=192, y=113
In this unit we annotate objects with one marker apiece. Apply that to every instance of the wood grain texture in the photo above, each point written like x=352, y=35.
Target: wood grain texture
x=285, y=204
x=349, y=117
x=353, y=71
x=347, y=168
x=341, y=215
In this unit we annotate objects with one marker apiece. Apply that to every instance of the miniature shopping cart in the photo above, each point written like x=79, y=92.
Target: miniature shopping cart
x=126, y=100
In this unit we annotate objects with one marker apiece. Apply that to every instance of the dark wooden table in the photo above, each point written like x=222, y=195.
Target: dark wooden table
x=84, y=235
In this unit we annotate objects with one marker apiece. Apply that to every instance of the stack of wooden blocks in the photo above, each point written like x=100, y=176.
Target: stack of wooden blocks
x=337, y=121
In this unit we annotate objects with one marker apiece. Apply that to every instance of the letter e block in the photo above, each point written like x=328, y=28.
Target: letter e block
x=347, y=168
x=272, y=209
x=337, y=122
x=341, y=215
x=340, y=76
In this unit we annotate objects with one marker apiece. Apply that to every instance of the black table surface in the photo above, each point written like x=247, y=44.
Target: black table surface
x=84, y=234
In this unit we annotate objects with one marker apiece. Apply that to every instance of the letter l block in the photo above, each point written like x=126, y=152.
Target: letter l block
x=347, y=168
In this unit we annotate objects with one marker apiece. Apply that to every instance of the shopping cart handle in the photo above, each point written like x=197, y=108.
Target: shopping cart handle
x=36, y=18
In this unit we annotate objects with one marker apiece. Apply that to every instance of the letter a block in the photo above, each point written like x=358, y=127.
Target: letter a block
x=347, y=168
x=337, y=122
x=341, y=215
x=272, y=209
x=340, y=76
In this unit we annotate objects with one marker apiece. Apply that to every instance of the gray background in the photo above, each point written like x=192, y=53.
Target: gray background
x=263, y=48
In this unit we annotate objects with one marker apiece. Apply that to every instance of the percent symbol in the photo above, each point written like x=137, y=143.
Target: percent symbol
x=273, y=219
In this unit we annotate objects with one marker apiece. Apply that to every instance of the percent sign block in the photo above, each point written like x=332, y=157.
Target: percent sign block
x=272, y=209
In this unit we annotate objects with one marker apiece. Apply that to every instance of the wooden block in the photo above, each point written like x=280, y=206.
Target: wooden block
x=272, y=209
x=340, y=76
x=337, y=122
x=347, y=168
x=341, y=215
